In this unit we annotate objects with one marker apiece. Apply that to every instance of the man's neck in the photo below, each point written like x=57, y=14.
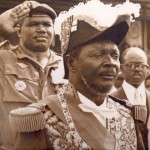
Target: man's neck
x=134, y=85
x=41, y=57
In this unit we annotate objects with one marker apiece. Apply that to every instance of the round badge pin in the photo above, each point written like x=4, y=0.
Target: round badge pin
x=20, y=85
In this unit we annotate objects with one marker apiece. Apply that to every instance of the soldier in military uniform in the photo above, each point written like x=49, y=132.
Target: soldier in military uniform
x=26, y=69
x=82, y=115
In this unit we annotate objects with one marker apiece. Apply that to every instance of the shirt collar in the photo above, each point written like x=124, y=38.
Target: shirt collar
x=130, y=90
x=53, y=60
x=87, y=101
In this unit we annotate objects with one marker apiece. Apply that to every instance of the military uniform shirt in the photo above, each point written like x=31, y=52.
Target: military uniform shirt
x=22, y=81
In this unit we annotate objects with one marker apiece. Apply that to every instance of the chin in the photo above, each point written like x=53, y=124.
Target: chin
x=105, y=89
x=41, y=48
x=101, y=88
x=137, y=82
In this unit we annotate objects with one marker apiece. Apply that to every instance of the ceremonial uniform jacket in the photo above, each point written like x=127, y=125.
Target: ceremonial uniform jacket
x=22, y=82
x=143, y=128
x=68, y=127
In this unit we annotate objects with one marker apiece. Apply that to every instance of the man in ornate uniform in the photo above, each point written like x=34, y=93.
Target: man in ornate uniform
x=82, y=115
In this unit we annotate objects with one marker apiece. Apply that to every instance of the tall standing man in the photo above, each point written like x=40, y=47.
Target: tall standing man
x=81, y=115
x=134, y=66
x=25, y=71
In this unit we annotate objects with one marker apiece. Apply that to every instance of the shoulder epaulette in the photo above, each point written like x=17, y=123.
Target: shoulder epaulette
x=27, y=119
x=123, y=102
x=139, y=111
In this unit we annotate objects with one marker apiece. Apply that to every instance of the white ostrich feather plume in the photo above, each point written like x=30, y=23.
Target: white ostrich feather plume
x=97, y=13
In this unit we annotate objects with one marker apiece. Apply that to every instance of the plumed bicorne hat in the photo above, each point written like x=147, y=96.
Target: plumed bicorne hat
x=94, y=20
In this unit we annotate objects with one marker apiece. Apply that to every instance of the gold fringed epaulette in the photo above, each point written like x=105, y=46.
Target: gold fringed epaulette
x=27, y=119
x=139, y=111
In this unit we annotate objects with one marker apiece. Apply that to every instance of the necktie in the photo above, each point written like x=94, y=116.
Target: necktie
x=148, y=126
x=137, y=97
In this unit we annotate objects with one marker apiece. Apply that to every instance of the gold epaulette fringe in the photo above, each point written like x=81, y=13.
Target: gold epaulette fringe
x=140, y=113
x=27, y=119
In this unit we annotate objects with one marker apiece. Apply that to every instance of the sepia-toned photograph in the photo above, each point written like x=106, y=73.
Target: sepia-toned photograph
x=74, y=75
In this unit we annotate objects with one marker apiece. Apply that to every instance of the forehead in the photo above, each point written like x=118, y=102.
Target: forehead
x=135, y=56
x=100, y=46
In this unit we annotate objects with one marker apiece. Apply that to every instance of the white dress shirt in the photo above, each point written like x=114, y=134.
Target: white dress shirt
x=101, y=112
x=115, y=118
x=130, y=91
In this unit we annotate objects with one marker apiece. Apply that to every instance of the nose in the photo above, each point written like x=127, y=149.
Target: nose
x=41, y=29
x=109, y=62
x=110, y=65
x=137, y=69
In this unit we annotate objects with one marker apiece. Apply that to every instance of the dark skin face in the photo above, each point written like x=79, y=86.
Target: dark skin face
x=137, y=76
x=36, y=33
x=95, y=69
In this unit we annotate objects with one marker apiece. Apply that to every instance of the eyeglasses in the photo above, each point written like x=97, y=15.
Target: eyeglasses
x=133, y=66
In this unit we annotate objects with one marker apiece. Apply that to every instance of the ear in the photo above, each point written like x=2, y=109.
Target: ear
x=71, y=63
x=53, y=41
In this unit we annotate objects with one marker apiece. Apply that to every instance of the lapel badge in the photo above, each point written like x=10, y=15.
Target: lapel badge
x=20, y=85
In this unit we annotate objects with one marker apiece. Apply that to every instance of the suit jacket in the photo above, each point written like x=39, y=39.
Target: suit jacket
x=149, y=133
x=120, y=93
x=57, y=135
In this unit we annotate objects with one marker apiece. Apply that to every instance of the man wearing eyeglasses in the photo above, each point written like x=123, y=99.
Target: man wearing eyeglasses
x=134, y=68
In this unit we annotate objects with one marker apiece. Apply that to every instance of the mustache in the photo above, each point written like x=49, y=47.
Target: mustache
x=111, y=73
x=40, y=36
x=137, y=73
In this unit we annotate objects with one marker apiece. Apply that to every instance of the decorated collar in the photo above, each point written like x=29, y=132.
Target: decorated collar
x=68, y=117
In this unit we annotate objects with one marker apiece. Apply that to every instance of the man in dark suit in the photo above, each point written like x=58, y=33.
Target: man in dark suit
x=148, y=127
x=134, y=68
